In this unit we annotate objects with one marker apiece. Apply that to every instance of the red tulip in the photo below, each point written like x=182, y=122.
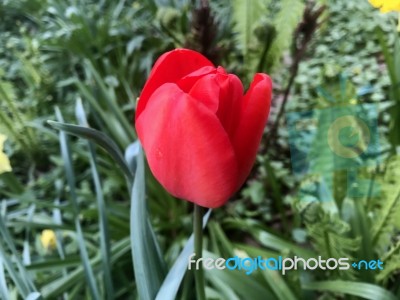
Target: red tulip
x=199, y=133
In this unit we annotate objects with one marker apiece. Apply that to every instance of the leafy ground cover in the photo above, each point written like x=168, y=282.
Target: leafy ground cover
x=65, y=213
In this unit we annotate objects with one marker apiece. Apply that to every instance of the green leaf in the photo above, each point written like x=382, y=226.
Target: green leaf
x=75, y=277
x=148, y=267
x=391, y=261
x=387, y=215
x=246, y=15
x=99, y=138
x=360, y=227
x=273, y=278
x=389, y=58
x=33, y=296
x=111, y=121
x=393, y=65
x=18, y=274
x=278, y=285
x=330, y=235
x=268, y=239
x=225, y=290
x=172, y=281
x=3, y=282
x=131, y=152
x=363, y=290
x=12, y=182
x=103, y=223
x=110, y=100
x=247, y=287
x=286, y=22
x=19, y=282
x=66, y=155
x=55, y=264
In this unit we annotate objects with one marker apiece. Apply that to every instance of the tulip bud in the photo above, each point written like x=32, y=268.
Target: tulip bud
x=199, y=131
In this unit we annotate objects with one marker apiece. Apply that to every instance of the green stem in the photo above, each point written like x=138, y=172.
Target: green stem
x=198, y=248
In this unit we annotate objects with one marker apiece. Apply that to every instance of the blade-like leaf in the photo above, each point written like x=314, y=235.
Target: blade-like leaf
x=360, y=289
x=57, y=287
x=243, y=285
x=110, y=100
x=131, y=152
x=18, y=274
x=3, y=283
x=55, y=264
x=270, y=240
x=111, y=122
x=103, y=223
x=172, y=281
x=66, y=155
x=33, y=296
x=148, y=269
x=278, y=285
x=99, y=138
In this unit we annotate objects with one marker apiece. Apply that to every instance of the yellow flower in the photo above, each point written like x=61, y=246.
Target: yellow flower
x=353, y=101
x=4, y=161
x=48, y=239
x=386, y=5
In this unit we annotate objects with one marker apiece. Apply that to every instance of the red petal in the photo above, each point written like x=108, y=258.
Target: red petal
x=171, y=67
x=206, y=91
x=254, y=115
x=230, y=99
x=186, y=83
x=187, y=148
x=222, y=93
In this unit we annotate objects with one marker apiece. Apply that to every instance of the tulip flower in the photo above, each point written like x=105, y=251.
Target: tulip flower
x=198, y=128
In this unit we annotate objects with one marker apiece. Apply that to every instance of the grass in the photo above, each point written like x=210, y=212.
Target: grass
x=81, y=65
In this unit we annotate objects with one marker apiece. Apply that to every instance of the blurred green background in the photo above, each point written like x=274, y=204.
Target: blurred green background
x=65, y=207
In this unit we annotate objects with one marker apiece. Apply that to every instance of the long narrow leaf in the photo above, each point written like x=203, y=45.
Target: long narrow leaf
x=58, y=220
x=99, y=138
x=26, y=253
x=33, y=296
x=20, y=284
x=66, y=155
x=360, y=289
x=148, y=268
x=103, y=224
x=243, y=285
x=21, y=278
x=172, y=281
x=111, y=101
x=3, y=283
x=57, y=287
x=110, y=121
x=270, y=240
x=278, y=285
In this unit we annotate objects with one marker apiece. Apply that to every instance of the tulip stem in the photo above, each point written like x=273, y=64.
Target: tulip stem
x=198, y=249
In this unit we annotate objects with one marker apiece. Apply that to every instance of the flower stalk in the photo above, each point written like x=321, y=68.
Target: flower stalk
x=198, y=249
